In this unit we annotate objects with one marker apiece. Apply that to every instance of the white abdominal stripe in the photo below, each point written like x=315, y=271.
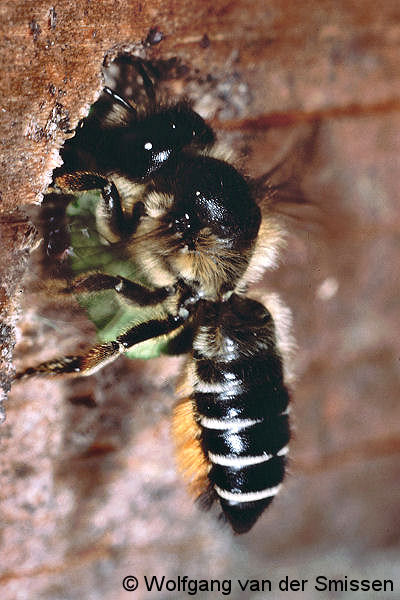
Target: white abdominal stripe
x=247, y=496
x=239, y=462
x=232, y=461
x=225, y=424
x=230, y=386
x=244, y=461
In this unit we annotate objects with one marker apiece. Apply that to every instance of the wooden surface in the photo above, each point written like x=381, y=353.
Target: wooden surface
x=89, y=491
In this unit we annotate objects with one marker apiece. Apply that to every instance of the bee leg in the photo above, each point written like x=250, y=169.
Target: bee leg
x=85, y=364
x=133, y=292
x=119, y=223
x=98, y=356
x=81, y=181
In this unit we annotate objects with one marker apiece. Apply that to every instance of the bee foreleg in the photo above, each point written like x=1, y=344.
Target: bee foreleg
x=119, y=223
x=81, y=181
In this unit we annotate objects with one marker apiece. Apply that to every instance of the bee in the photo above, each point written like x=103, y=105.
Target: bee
x=192, y=226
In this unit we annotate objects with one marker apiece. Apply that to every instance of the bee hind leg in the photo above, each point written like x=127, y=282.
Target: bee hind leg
x=98, y=356
x=85, y=364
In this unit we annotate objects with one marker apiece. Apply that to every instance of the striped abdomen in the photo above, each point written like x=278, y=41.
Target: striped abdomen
x=240, y=402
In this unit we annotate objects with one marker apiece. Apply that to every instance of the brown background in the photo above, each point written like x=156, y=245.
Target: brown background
x=89, y=491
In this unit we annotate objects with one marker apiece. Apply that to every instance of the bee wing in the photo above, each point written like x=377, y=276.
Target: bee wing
x=280, y=190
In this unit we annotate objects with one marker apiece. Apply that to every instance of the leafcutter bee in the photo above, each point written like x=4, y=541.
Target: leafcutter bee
x=192, y=226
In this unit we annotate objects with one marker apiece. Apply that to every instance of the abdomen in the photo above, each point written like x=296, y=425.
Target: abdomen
x=240, y=406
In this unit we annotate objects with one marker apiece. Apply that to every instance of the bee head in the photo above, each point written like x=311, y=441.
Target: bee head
x=150, y=142
x=188, y=127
